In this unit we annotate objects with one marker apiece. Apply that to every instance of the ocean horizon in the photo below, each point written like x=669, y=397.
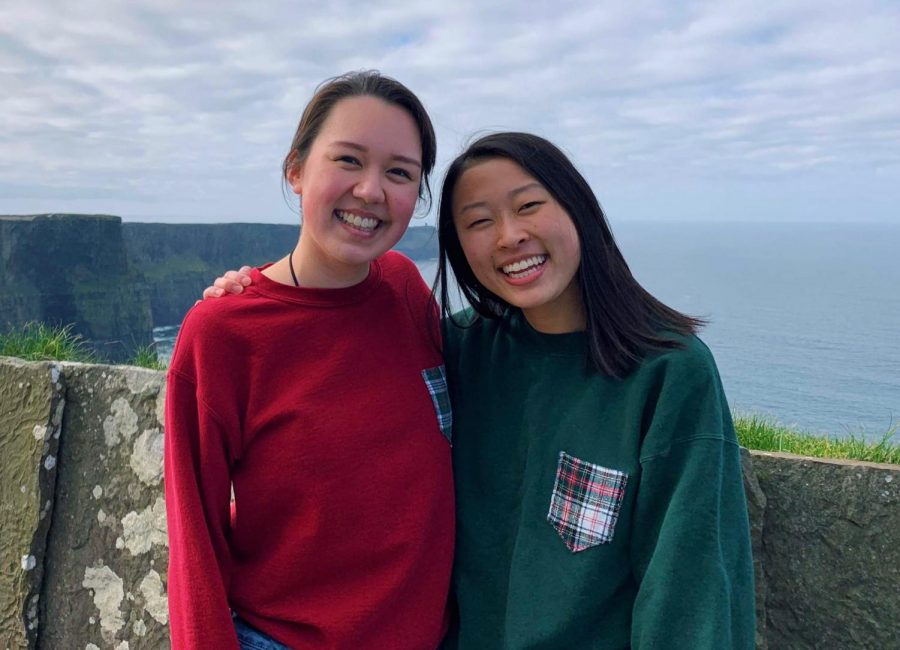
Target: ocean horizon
x=803, y=318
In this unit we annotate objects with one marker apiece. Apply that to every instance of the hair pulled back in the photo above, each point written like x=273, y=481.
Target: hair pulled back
x=362, y=83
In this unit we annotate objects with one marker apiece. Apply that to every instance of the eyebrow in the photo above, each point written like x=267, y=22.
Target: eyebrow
x=512, y=194
x=396, y=156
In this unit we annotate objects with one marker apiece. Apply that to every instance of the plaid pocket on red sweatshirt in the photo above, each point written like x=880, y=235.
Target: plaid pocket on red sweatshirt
x=585, y=503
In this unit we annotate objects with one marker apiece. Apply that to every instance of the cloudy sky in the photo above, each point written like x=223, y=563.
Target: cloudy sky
x=177, y=111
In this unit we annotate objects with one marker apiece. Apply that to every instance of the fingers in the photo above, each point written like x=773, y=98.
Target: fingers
x=230, y=282
x=240, y=277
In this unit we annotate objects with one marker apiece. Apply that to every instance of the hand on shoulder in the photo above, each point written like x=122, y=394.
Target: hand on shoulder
x=229, y=282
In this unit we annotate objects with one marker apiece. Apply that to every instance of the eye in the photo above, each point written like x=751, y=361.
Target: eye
x=477, y=223
x=347, y=158
x=399, y=171
x=530, y=205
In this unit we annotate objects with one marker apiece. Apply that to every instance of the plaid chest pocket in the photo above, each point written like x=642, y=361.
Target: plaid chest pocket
x=585, y=503
x=436, y=381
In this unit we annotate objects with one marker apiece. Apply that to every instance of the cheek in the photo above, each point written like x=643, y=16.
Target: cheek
x=569, y=236
x=574, y=253
x=403, y=204
x=478, y=256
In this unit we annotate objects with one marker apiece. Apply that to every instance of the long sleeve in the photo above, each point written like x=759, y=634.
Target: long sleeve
x=691, y=545
x=198, y=486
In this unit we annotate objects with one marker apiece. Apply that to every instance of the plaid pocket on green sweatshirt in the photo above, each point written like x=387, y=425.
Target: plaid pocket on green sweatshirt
x=585, y=503
x=436, y=381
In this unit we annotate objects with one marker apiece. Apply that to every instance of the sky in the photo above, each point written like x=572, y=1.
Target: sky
x=182, y=112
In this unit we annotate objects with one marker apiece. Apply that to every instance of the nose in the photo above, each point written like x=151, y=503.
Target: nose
x=369, y=188
x=510, y=233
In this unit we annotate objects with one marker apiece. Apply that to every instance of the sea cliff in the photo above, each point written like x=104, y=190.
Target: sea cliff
x=177, y=261
x=115, y=281
x=61, y=268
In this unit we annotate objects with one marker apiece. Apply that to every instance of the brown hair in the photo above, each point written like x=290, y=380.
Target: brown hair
x=360, y=84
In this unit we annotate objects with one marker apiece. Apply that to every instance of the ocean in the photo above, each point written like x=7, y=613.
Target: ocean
x=804, y=319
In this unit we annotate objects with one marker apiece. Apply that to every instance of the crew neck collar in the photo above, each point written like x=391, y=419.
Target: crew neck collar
x=570, y=344
x=317, y=297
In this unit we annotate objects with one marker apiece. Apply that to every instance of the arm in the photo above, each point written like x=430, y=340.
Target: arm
x=198, y=491
x=691, y=540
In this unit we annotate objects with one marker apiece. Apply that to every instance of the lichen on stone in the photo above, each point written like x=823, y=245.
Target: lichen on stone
x=108, y=593
x=143, y=530
x=122, y=422
x=147, y=457
x=155, y=601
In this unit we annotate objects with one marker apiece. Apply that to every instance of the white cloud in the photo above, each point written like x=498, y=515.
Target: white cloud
x=183, y=111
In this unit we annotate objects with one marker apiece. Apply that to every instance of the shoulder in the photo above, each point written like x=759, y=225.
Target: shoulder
x=685, y=399
x=690, y=360
x=394, y=264
x=208, y=316
x=401, y=277
x=211, y=328
x=464, y=323
x=402, y=274
x=469, y=335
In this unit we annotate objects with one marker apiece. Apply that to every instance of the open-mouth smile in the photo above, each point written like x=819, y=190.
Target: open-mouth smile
x=525, y=267
x=356, y=222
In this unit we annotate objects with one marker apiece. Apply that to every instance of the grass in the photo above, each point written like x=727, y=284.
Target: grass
x=146, y=357
x=40, y=342
x=764, y=434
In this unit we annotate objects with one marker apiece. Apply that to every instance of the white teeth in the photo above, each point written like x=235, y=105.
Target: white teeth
x=363, y=223
x=521, y=265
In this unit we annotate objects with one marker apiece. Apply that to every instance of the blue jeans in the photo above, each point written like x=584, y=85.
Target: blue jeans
x=249, y=638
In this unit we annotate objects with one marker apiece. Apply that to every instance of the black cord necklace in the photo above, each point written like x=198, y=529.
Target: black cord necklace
x=291, y=265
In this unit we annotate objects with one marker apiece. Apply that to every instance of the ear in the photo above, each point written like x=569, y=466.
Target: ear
x=295, y=177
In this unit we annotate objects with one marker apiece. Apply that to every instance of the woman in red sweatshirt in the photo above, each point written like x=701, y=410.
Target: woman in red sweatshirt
x=307, y=463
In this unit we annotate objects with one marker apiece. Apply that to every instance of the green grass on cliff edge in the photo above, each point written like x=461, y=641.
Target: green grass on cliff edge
x=40, y=342
x=146, y=357
x=762, y=433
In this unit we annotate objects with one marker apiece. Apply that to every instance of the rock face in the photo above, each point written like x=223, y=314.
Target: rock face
x=31, y=409
x=179, y=260
x=107, y=549
x=116, y=281
x=63, y=269
x=831, y=552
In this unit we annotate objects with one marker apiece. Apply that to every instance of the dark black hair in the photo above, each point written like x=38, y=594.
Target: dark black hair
x=624, y=322
x=363, y=83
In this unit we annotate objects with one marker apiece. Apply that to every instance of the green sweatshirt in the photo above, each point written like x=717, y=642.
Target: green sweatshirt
x=594, y=512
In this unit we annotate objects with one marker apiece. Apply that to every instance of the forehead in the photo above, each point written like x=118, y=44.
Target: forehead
x=372, y=122
x=491, y=180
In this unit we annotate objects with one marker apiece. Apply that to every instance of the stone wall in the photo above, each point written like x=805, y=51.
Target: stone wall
x=81, y=454
x=830, y=552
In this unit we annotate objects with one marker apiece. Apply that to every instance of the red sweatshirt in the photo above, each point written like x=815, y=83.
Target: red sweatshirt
x=314, y=404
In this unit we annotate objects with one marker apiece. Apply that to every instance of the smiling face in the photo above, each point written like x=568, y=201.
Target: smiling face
x=359, y=185
x=520, y=243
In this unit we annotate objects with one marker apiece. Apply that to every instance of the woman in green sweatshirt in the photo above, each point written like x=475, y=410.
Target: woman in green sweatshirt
x=598, y=483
